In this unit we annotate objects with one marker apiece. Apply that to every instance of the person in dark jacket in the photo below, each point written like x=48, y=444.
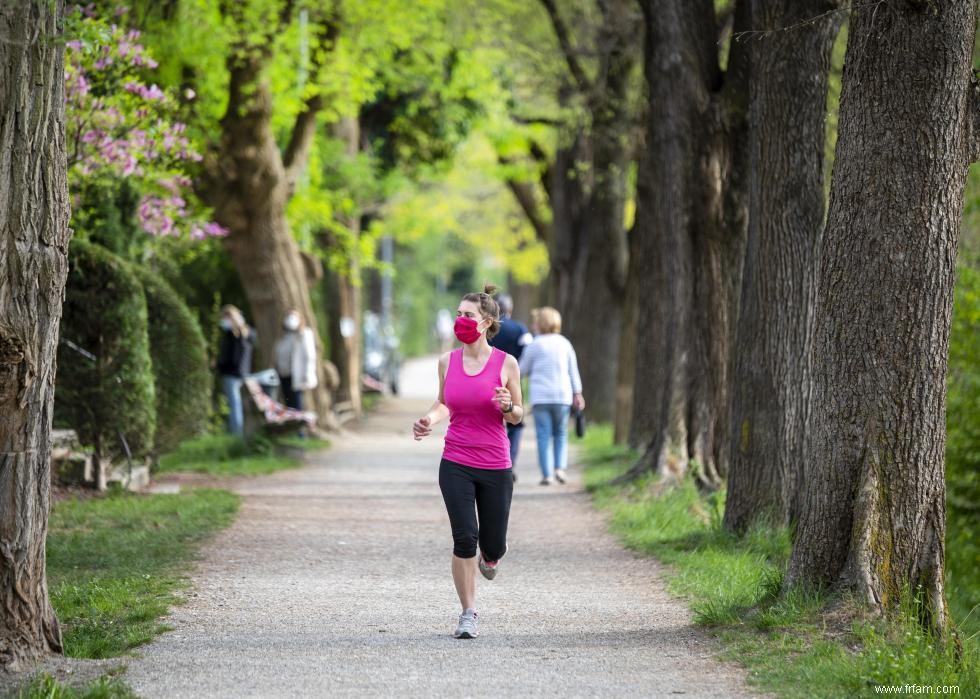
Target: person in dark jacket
x=512, y=338
x=234, y=363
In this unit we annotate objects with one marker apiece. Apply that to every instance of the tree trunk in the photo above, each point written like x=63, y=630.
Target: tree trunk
x=663, y=221
x=526, y=297
x=788, y=99
x=689, y=228
x=249, y=189
x=344, y=300
x=34, y=235
x=568, y=197
x=873, y=514
x=589, y=257
x=345, y=350
x=626, y=365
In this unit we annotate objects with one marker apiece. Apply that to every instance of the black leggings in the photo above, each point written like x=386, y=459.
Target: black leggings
x=490, y=491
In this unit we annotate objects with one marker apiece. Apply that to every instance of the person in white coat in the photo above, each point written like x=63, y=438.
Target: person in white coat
x=295, y=354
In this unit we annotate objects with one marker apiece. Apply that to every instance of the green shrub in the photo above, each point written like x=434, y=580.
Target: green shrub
x=182, y=380
x=105, y=314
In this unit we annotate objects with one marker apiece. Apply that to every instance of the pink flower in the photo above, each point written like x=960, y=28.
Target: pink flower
x=154, y=93
x=215, y=230
x=74, y=44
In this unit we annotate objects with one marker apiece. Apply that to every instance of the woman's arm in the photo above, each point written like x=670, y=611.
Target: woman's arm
x=509, y=395
x=578, y=401
x=439, y=411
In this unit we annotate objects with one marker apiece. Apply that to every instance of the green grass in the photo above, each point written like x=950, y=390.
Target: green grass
x=797, y=644
x=46, y=687
x=226, y=455
x=116, y=564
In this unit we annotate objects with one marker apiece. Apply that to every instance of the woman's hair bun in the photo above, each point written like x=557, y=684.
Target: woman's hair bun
x=489, y=288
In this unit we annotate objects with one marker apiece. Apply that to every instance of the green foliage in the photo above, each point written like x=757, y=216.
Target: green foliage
x=227, y=455
x=105, y=214
x=46, y=687
x=793, y=643
x=202, y=274
x=182, y=379
x=105, y=314
x=116, y=564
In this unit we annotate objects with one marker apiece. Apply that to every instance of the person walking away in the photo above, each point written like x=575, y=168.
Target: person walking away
x=555, y=387
x=512, y=339
x=479, y=390
x=295, y=353
x=234, y=363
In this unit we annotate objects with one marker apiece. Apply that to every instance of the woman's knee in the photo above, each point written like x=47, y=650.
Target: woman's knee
x=464, y=545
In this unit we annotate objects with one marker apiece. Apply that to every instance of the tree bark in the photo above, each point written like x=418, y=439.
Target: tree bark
x=873, y=514
x=787, y=103
x=249, y=185
x=34, y=235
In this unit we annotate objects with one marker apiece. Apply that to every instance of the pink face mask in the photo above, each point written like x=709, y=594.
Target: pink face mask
x=466, y=330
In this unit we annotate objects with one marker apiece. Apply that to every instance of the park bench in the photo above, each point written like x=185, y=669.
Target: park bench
x=273, y=416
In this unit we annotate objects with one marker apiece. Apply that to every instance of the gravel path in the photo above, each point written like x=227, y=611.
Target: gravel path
x=334, y=581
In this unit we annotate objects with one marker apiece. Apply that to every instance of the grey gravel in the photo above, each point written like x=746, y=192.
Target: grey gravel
x=334, y=581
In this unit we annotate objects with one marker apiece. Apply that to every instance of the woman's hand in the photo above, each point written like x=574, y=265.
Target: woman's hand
x=578, y=402
x=502, y=398
x=422, y=427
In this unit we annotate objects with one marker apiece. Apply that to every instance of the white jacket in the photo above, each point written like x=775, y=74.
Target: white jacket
x=302, y=360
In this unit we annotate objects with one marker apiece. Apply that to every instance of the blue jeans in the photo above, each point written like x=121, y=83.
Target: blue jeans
x=514, y=435
x=551, y=424
x=233, y=392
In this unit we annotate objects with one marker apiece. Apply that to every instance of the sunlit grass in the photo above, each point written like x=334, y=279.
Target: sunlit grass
x=116, y=564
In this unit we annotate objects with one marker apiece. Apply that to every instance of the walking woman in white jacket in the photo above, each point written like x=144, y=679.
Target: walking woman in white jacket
x=295, y=354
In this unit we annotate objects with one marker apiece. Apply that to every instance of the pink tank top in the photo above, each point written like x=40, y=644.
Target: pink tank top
x=476, y=436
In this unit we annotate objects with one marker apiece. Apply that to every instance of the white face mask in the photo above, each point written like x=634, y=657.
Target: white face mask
x=291, y=322
x=225, y=324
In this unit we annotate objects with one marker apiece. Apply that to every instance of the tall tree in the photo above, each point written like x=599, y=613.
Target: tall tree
x=689, y=230
x=34, y=235
x=873, y=514
x=790, y=58
x=588, y=193
x=249, y=181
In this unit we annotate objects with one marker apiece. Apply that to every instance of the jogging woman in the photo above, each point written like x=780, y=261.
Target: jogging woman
x=479, y=389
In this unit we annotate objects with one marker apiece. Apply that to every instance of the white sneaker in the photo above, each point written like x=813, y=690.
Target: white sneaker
x=546, y=481
x=561, y=475
x=467, y=625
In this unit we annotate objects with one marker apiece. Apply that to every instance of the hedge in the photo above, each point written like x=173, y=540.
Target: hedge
x=180, y=364
x=105, y=314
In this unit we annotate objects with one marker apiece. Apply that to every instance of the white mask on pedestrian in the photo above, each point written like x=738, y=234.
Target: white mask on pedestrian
x=291, y=322
x=225, y=323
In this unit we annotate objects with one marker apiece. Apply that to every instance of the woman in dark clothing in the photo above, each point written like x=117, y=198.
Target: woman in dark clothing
x=235, y=363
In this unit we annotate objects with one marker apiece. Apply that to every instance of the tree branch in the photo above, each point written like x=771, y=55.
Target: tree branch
x=524, y=194
x=537, y=152
x=539, y=121
x=564, y=40
x=301, y=138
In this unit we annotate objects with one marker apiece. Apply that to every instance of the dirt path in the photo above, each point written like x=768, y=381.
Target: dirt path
x=334, y=581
